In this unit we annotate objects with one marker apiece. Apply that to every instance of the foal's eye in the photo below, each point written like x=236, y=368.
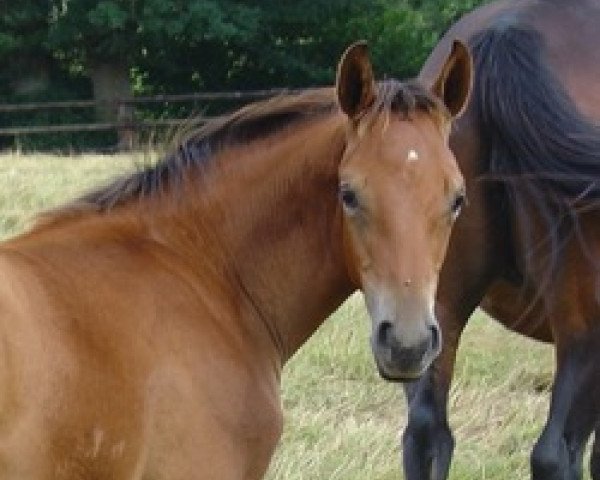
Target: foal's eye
x=457, y=204
x=349, y=198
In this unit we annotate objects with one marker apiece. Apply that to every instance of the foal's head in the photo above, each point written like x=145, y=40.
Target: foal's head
x=401, y=191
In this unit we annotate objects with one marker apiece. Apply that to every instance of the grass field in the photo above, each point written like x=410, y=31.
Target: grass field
x=342, y=421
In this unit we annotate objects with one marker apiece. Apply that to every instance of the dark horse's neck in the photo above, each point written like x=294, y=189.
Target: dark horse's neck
x=270, y=211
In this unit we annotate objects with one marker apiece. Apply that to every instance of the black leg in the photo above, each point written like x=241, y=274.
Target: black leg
x=427, y=441
x=558, y=453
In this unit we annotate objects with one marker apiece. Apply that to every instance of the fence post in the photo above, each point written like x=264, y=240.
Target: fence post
x=126, y=133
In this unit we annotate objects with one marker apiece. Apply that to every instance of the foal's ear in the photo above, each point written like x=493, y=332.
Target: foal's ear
x=455, y=79
x=355, y=84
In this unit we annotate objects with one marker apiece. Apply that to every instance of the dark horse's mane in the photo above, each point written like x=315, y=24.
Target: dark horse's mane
x=198, y=144
x=540, y=148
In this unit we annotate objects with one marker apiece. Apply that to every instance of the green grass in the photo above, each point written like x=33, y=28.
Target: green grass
x=31, y=183
x=342, y=420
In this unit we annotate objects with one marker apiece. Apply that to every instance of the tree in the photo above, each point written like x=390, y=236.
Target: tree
x=73, y=48
x=22, y=58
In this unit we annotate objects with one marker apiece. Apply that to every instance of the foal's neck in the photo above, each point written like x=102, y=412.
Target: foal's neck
x=275, y=216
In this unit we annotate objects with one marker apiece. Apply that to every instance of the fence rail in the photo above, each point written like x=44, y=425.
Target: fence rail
x=123, y=123
x=186, y=97
x=92, y=127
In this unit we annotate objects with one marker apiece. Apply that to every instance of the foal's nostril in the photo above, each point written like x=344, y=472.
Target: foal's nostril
x=384, y=332
x=435, y=338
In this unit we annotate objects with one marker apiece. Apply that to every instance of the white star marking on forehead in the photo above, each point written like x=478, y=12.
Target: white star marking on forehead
x=412, y=155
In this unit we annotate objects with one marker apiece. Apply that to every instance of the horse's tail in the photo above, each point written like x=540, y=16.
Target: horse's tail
x=544, y=153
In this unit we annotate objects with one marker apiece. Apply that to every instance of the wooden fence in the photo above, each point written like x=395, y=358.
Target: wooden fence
x=126, y=125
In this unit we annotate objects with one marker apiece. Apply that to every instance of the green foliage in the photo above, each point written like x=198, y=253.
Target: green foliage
x=22, y=27
x=176, y=46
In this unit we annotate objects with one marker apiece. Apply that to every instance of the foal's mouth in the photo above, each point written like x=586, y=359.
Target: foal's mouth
x=395, y=368
x=400, y=376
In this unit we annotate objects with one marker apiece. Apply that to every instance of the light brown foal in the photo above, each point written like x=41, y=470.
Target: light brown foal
x=143, y=328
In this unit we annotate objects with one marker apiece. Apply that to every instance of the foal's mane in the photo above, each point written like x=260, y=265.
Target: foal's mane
x=543, y=152
x=197, y=145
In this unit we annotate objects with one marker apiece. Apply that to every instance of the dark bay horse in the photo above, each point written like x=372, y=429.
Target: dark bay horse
x=144, y=327
x=528, y=247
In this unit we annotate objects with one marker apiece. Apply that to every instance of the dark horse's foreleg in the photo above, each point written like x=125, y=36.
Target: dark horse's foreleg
x=427, y=441
x=558, y=453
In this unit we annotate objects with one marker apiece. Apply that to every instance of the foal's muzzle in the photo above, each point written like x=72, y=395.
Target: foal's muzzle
x=399, y=362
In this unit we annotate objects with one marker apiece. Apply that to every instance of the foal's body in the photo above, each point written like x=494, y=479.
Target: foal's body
x=144, y=327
